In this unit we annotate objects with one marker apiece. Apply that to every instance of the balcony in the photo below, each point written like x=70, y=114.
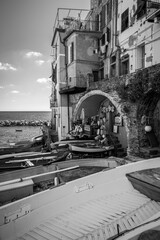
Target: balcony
x=75, y=19
x=74, y=85
x=154, y=4
x=153, y=11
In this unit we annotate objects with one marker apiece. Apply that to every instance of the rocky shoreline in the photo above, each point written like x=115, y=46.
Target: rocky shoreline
x=10, y=123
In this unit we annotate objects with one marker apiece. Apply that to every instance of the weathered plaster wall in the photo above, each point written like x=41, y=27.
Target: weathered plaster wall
x=84, y=58
x=139, y=32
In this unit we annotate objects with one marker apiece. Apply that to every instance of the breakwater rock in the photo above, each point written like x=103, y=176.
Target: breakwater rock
x=10, y=123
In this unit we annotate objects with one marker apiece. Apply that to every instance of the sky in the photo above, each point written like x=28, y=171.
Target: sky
x=26, y=31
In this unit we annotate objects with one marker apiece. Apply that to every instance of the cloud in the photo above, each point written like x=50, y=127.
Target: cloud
x=15, y=91
x=7, y=67
x=33, y=54
x=43, y=80
x=39, y=62
x=1, y=87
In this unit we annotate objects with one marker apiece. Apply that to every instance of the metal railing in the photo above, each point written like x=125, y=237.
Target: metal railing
x=153, y=8
x=153, y=4
x=75, y=19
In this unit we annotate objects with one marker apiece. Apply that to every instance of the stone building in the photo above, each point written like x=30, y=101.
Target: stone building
x=106, y=74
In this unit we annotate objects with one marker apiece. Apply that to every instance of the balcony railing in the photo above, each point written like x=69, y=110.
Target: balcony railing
x=153, y=4
x=153, y=10
x=75, y=19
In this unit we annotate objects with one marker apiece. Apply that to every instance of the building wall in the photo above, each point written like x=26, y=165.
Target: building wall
x=138, y=33
x=60, y=113
x=85, y=60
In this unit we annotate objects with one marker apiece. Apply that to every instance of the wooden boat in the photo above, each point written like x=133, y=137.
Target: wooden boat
x=23, y=146
x=147, y=182
x=86, y=148
x=25, y=162
x=103, y=205
x=88, y=162
x=65, y=143
x=42, y=177
x=90, y=150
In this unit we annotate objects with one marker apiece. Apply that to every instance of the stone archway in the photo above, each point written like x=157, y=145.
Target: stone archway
x=101, y=96
x=115, y=100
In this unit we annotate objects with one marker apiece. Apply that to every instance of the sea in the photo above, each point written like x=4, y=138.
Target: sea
x=13, y=134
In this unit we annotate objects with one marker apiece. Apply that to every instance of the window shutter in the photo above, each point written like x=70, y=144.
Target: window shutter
x=97, y=23
x=125, y=20
x=109, y=11
x=108, y=35
x=72, y=51
x=69, y=54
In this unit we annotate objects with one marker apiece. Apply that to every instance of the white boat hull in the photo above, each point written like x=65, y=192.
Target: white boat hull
x=96, y=205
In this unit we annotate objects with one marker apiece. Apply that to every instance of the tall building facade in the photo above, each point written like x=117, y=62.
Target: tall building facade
x=94, y=52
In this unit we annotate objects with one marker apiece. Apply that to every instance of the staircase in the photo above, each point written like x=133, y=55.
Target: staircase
x=119, y=150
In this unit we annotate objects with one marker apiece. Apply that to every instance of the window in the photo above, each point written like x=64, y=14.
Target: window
x=102, y=17
x=141, y=56
x=103, y=40
x=125, y=64
x=108, y=35
x=113, y=66
x=109, y=11
x=54, y=74
x=95, y=75
x=70, y=53
x=97, y=22
x=98, y=74
x=125, y=20
x=141, y=8
x=101, y=73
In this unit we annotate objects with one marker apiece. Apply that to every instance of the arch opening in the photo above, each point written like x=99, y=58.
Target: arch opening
x=102, y=108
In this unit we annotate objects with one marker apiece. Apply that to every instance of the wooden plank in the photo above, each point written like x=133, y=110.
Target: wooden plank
x=140, y=219
x=47, y=230
x=72, y=227
x=37, y=235
x=27, y=236
x=65, y=229
x=44, y=234
x=154, y=206
x=130, y=221
x=78, y=225
x=107, y=232
x=112, y=230
x=126, y=223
